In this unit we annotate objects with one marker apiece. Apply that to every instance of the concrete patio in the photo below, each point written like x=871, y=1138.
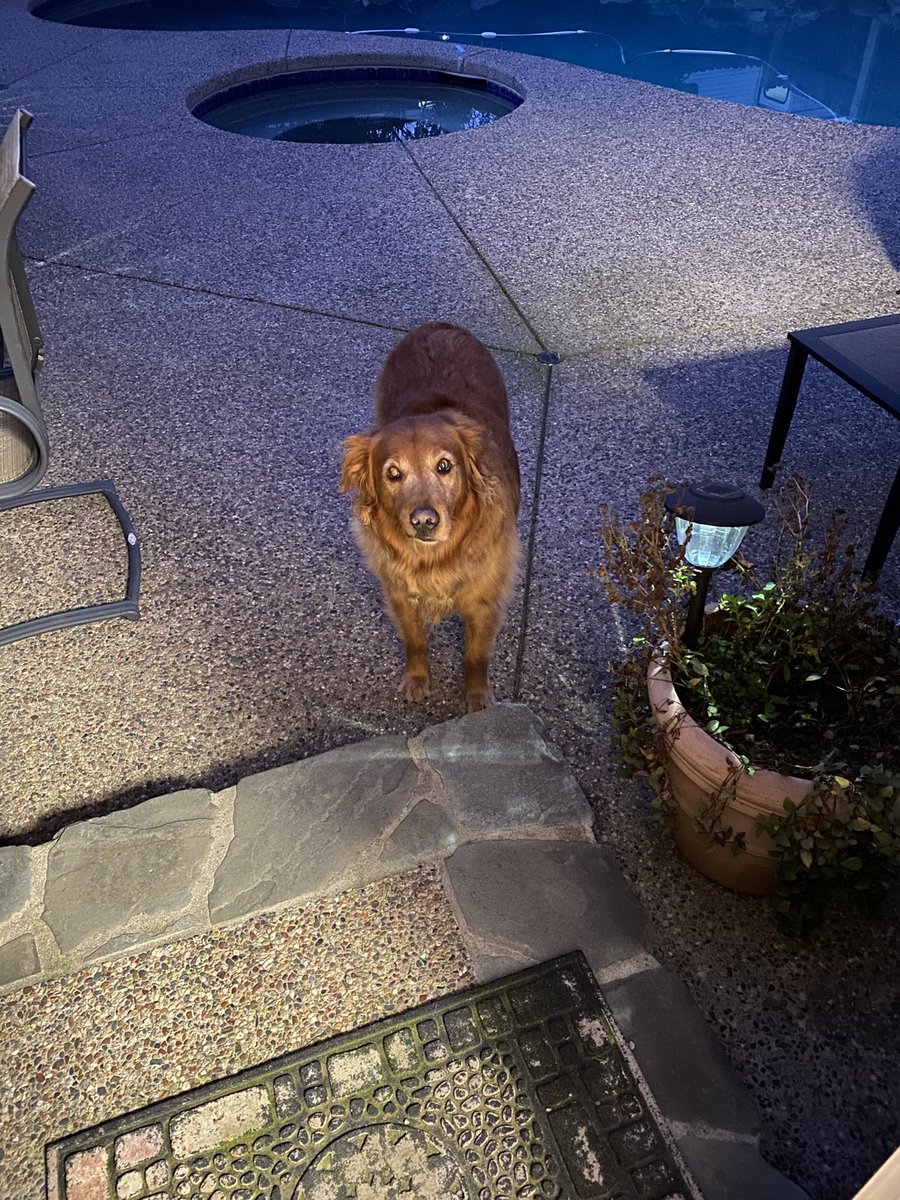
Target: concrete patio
x=216, y=309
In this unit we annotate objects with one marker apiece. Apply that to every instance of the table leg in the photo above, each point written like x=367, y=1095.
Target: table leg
x=787, y=402
x=885, y=533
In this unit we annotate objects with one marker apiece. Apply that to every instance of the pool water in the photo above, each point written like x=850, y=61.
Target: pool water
x=801, y=56
x=357, y=105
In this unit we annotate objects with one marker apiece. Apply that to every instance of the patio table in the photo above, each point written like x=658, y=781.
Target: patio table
x=867, y=355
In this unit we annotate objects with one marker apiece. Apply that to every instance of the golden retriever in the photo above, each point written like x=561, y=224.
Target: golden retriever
x=435, y=498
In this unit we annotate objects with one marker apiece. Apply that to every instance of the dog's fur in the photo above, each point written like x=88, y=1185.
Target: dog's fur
x=436, y=494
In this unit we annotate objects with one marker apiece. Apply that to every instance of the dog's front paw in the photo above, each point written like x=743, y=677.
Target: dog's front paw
x=479, y=698
x=415, y=687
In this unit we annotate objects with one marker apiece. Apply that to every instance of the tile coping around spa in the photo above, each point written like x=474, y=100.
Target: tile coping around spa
x=261, y=85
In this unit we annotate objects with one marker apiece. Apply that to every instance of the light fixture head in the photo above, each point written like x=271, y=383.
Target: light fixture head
x=717, y=515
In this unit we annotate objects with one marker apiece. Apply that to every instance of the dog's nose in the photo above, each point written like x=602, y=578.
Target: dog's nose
x=424, y=520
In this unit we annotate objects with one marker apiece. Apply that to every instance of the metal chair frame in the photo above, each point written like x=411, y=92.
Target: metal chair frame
x=21, y=342
x=20, y=333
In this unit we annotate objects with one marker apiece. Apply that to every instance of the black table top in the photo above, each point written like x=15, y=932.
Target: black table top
x=865, y=353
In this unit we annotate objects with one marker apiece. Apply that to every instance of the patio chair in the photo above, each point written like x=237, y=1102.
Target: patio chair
x=24, y=451
x=24, y=445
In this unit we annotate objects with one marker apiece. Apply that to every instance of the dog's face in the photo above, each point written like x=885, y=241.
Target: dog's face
x=416, y=473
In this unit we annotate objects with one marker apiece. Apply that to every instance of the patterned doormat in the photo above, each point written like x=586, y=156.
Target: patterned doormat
x=519, y=1088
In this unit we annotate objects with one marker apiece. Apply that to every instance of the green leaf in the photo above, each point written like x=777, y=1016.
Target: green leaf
x=812, y=678
x=852, y=864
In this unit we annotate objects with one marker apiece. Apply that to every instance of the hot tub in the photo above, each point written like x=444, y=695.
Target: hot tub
x=358, y=104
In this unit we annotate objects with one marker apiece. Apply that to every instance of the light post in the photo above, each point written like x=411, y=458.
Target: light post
x=716, y=516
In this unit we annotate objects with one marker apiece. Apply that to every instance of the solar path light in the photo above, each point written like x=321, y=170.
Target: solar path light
x=710, y=522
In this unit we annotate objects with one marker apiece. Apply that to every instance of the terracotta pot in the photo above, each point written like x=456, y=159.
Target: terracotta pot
x=698, y=766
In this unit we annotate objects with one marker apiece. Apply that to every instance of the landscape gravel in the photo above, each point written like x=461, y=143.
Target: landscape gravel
x=107, y=1040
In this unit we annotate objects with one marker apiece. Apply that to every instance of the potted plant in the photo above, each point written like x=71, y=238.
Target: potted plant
x=772, y=745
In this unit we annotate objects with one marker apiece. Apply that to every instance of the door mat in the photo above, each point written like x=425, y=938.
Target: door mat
x=521, y=1088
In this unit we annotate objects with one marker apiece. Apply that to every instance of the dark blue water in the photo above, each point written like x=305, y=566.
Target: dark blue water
x=822, y=60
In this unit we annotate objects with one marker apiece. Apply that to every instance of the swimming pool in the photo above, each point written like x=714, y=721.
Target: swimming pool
x=794, y=55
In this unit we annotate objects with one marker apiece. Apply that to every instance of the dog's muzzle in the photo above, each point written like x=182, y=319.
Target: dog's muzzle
x=424, y=523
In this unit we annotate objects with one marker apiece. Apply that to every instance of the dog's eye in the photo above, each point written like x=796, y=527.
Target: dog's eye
x=394, y=474
x=444, y=466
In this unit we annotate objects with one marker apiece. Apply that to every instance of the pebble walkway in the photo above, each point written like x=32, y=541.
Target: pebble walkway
x=88, y=1046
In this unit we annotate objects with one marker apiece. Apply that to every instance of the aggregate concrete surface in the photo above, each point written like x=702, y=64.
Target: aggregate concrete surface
x=216, y=309
x=525, y=880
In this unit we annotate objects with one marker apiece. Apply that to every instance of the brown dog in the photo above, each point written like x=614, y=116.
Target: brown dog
x=436, y=487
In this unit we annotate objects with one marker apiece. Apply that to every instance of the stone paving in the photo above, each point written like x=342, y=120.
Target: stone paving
x=490, y=797
x=335, y=821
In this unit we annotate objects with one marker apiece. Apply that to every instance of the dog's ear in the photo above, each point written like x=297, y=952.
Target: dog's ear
x=356, y=474
x=472, y=440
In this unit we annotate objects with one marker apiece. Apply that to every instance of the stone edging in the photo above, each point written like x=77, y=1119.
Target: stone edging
x=189, y=861
x=490, y=798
